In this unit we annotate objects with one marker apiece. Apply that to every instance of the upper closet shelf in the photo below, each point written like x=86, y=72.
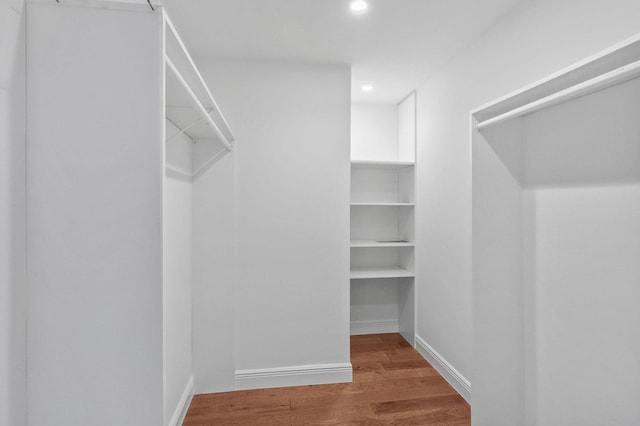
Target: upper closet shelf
x=190, y=106
x=368, y=164
x=605, y=69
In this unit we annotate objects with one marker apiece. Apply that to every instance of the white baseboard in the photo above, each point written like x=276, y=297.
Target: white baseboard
x=183, y=404
x=317, y=374
x=374, y=327
x=450, y=374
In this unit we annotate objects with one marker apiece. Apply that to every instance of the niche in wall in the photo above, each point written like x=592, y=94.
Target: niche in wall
x=382, y=218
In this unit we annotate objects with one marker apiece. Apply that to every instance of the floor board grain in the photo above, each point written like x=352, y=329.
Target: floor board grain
x=392, y=385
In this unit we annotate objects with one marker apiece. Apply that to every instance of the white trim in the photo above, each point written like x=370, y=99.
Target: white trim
x=298, y=375
x=450, y=374
x=183, y=405
x=375, y=327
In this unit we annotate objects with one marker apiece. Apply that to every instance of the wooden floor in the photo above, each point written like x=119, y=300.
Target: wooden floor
x=392, y=385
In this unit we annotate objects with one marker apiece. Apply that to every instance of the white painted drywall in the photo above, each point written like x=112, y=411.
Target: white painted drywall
x=94, y=216
x=406, y=111
x=375, y=301
x=538, y=39
x=292, y=220
x=587, y=244
x=13, y=291
x=177, y=273
x=214, y=277
x=374, y=132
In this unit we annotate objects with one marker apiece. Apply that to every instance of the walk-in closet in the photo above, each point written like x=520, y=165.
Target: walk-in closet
x=299, y=212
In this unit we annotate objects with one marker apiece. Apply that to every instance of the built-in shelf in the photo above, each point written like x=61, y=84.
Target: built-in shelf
x=384, y=204
x=381, y=164
x=190, y=108
x=382, y=243
x=383, y=272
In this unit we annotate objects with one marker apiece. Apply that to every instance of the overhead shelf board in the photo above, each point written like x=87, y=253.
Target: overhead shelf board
x=189, y=102
x=605, y=69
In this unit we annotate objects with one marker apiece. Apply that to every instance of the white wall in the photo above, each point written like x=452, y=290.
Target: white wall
x=539, y=39
x=177, y=275
x=214, y=277
x=498, y=296
x=94, y=216
x=13, y=305
x=291, y=222
x=374, y=131
x=406, y=111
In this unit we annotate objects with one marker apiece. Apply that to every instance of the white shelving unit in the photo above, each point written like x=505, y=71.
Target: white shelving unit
x=382, y=232
x=384, y=224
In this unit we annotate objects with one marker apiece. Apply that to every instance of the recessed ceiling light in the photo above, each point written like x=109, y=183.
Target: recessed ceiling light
x=366, y=87
x=358, y=7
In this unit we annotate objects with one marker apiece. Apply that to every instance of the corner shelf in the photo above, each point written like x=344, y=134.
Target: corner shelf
x=384, y=272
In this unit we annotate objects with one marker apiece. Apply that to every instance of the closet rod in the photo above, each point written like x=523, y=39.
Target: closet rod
x=201, y=109
x=173, y=30
x=600, y=82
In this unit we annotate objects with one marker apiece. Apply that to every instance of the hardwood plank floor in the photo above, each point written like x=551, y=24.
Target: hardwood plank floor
x=392, y=385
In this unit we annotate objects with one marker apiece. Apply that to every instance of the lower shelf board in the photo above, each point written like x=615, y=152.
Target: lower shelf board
x=380, y=243
x=386, y=272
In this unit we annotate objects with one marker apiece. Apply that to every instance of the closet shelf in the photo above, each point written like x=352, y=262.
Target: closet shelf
x=190, y=106
x=385, y=272
x=381, y=243
x=381, y=164
x=384, y=204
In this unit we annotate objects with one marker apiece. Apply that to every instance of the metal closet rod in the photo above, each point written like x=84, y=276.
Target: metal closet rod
x=619, y=75
x=201, y=109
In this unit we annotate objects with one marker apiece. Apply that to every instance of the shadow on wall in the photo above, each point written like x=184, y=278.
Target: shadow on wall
x=591, y=141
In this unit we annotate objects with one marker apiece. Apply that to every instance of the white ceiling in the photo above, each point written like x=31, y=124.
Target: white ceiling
x=396, y=46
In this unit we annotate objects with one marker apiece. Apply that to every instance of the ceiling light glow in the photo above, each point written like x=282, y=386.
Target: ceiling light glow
x=358, y=7
x=366, y=87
